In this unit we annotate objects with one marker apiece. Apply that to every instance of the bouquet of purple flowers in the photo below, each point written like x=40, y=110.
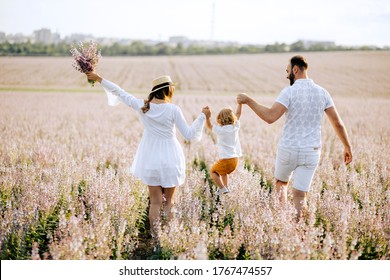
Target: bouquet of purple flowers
x=85, y=58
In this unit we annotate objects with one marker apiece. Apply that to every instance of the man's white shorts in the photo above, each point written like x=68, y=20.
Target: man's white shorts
x=302, y=163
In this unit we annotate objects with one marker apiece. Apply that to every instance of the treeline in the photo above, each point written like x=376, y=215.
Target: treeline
x=138, y=48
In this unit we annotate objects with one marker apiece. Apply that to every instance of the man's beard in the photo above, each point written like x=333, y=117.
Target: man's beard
x=291, y=77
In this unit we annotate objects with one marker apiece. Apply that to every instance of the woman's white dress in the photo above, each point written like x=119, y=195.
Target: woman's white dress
x=159, y=160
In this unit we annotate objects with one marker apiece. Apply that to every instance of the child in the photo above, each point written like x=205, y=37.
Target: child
x=159, y=161
x=228, y=144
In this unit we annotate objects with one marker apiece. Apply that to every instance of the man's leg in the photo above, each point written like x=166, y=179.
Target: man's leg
x=281, y=190
x=299, y=198
x=285, y=164
x=303, y=177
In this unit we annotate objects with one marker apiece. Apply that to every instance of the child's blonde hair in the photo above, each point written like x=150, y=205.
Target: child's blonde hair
x=226, y=116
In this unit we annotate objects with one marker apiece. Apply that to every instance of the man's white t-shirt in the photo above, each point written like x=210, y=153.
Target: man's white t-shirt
x=228, y=142
x=305, y=102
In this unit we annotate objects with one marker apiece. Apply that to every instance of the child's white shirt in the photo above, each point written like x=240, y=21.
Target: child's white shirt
x=228, y=141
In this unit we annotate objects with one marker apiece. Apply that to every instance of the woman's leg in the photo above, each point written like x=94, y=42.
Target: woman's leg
x=155, y=193
x=169, y=201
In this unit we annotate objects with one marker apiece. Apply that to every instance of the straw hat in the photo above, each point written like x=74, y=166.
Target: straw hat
x=161, y=82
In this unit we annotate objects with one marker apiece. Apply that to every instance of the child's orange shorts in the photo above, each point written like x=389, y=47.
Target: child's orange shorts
x=225, y=166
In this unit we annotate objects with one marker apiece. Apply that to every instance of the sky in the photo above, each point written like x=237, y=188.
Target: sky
x=345, y=22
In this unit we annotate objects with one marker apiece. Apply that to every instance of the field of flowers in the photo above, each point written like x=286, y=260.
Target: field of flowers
x=65, y=190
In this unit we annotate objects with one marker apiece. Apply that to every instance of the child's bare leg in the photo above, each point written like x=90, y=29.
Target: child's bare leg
x=224, y=180
x=217, y=179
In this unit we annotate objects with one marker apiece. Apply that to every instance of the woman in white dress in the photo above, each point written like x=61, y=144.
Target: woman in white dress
x=159, y=161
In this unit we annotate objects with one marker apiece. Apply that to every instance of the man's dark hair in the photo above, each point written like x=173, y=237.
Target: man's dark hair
x=299, y=61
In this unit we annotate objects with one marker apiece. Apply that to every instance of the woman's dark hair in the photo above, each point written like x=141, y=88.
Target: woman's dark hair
x=299, y=61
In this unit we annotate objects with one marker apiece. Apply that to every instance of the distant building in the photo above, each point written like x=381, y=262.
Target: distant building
x=17, y=38
x=77, y=37
x=2, y=37
x=45, y=36
x=186, y=42
x=175, y=40
x=325, y=44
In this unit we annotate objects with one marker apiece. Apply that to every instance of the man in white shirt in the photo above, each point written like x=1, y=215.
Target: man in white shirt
x=299, y=148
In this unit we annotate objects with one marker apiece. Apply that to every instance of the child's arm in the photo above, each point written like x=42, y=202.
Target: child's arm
x=208, y=124
x=238, y=111
x=207, y=112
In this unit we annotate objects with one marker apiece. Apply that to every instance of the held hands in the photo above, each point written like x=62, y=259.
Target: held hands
x=206, y=111
x=242, y=98
x=94, y=77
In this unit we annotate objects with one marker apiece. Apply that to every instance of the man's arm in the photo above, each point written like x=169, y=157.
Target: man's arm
x=341, y=132
x=269, y=115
